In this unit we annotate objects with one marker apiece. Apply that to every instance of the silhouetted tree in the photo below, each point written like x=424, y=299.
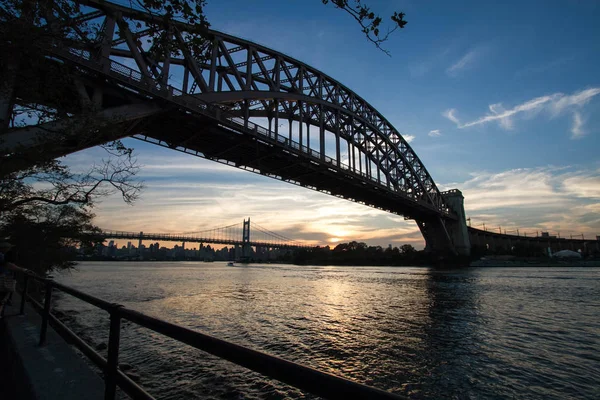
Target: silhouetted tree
x=52, y=183
x=407, y=249
x=358, y=253
x=45, y=237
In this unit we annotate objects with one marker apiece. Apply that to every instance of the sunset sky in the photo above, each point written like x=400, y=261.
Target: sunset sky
x=501, y=102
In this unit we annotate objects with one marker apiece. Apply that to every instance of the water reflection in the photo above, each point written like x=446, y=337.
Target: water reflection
x=451, y=334
x=415, y=331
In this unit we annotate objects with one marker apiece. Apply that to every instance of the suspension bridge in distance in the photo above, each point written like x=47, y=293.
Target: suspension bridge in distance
x=235, y=234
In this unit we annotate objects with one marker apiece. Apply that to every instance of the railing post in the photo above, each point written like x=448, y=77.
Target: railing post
x=24, y=293
x=114, y=338
x=46, y=313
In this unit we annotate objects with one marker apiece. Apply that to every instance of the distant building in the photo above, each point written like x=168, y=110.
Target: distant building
x=111, y=251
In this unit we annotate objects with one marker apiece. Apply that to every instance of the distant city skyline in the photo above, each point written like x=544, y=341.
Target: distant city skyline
x=123, y=243
x=508, y=116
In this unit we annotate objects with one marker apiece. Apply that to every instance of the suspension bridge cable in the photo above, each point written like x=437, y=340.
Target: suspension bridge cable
x=268, y=232
x=279, y=239
x=274, y=236
x=207, y=230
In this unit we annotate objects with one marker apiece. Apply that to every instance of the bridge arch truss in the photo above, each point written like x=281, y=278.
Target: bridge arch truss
x=251, y=91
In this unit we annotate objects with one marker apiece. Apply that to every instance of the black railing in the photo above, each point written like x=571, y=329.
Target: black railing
x=302, y=377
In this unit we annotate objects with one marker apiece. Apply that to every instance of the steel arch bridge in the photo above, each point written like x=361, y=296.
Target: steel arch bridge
x=232, y=105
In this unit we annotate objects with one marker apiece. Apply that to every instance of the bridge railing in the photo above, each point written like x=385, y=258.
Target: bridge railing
x=523, y=233
x=304, y=378
x=132, y=76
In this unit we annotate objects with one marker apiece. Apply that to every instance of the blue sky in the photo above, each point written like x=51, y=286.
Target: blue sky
x=499, y=101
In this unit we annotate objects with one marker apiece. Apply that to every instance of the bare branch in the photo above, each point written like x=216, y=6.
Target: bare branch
x=369, y=21
x=52, y=183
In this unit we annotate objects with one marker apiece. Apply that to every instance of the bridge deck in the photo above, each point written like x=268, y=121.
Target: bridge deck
x=276, y=158
x=197, y=239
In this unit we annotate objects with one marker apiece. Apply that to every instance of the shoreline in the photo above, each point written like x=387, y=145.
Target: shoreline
x=488, y=263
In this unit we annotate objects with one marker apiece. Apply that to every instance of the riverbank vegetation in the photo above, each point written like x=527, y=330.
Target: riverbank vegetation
x=359, y=253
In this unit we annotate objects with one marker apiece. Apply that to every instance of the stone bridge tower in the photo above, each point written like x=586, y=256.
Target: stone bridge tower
x=448, y=236
x=457, y=230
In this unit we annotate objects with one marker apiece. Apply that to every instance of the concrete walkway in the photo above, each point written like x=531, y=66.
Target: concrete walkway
x=51, y=372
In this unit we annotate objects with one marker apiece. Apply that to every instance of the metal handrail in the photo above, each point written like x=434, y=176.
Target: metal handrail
x=304, y=378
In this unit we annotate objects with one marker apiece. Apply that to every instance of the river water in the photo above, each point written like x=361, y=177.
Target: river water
x=464, y=334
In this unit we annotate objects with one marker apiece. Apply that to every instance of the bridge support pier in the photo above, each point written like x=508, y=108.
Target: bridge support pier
x=448, y=236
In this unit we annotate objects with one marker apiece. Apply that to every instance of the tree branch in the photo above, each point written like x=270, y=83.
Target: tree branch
x=369, y=21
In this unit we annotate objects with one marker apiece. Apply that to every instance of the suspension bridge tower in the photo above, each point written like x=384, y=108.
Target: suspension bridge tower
x=246, y=240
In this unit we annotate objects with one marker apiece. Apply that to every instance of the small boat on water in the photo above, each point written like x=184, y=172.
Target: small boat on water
x=230, y=264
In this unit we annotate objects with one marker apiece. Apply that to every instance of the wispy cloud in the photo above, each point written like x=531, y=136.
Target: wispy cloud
x=409, y=138
x=578, y=99
x=576, y=130
x=435, y=133
x=451, y=115
x=466, y=61
x=583, y=185
x=535, y=199
x=555, y=104
x=498, y=113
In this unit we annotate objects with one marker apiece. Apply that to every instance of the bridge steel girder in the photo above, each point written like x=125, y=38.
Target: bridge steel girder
x=238, y=80
x=21, y=147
